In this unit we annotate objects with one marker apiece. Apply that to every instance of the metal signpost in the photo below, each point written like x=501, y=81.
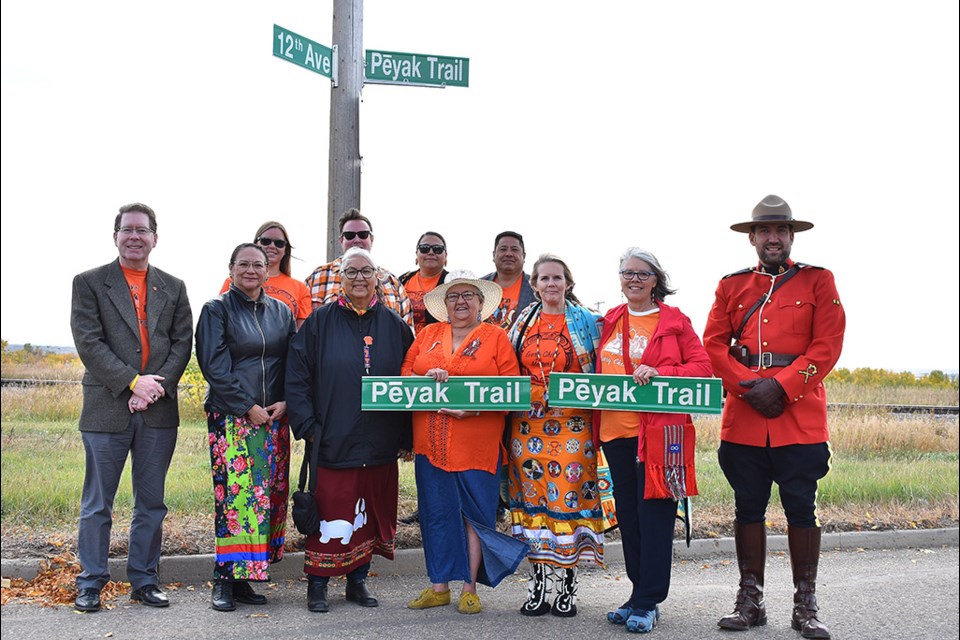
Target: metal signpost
x=419, y=393
x=344, y=65
x=663, y=394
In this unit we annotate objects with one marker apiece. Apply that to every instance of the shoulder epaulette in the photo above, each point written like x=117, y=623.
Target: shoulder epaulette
x=738, y=273
x=798, y=265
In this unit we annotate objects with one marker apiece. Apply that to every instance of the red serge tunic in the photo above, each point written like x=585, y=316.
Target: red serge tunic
x=803, y=318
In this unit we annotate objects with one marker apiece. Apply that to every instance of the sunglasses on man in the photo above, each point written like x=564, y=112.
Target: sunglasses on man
x=427, y=248
x=350, y=235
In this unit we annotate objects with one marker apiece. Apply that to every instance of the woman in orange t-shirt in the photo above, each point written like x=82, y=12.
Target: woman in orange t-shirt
x=645, y=338
x=273, y=239
x=458, y=452
x=431, y=260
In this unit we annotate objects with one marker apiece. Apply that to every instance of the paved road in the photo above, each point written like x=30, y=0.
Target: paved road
x=883, y=594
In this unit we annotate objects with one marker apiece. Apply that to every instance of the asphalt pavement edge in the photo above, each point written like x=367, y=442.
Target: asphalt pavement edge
x=197, y=569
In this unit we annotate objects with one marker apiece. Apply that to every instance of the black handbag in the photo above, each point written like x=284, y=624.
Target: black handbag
x=305, y=516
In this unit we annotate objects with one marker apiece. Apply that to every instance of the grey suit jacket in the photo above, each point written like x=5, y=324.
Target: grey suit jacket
x=107, y=337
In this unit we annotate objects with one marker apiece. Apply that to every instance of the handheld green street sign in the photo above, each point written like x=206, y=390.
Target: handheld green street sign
x=419, y=393
x=663, y=394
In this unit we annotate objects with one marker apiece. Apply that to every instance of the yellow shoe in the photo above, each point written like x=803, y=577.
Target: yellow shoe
x=469, y=603
x=429, y=598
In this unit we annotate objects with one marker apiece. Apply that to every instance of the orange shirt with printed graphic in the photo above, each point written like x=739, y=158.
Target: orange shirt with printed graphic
x=417, y=287
x=625, y=424
x=506, y=312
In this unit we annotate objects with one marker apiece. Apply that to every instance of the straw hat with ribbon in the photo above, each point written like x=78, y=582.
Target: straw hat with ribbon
x=435, y=300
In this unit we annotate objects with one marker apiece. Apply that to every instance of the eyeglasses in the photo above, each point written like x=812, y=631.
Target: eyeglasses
x=467, y=296
x=135, y=231
x=243, y=266
x=352, y=274
x=427, y=248
x=642, y=276
x=266, y=242
x=350, y=235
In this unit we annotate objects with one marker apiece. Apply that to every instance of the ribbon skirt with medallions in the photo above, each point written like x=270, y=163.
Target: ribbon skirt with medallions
x=554, y=492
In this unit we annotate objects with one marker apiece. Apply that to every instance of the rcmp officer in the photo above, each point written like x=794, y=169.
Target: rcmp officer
x=774, y=332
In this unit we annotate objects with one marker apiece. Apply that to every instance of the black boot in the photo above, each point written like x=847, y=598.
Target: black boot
x=222, y=597
x=317, y=594
x=565, y=606
x=751, y=541
x=804, y=559
x=538, y=590
x=357, y=592
x=243, y=592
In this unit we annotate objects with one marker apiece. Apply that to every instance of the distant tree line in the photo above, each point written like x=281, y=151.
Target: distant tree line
x=863, y=376
x=869, y=377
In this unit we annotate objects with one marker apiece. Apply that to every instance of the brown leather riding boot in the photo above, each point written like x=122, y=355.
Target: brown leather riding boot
x=751, y=540
x=804, y=558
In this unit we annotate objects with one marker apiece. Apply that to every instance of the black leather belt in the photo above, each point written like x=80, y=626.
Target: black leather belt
x=768, y=359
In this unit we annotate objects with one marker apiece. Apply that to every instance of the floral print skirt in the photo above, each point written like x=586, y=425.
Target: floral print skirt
x=251, y=465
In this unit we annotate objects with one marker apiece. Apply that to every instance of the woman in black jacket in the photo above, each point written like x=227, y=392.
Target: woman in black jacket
x=242, y=340
x=355, y=452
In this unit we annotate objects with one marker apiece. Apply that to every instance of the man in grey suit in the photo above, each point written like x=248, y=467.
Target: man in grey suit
x=134, y=332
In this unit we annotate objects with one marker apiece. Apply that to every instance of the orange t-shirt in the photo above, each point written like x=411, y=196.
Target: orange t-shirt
x=505, y=313
x=137, y=281
x=292, y=293
x=625, y=424
x=417, y=287
x=470, y=443
x=546, y=348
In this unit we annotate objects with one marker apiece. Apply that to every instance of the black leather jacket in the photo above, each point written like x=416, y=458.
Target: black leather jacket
x=242, y=351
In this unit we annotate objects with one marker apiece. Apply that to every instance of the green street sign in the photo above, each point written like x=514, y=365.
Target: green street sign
x=294, y=48
x=392, y=67
x=419, y=393
x=663, y=394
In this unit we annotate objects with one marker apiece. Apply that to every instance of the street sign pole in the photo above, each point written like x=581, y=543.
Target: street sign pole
x=343, y=182
x=344, y=64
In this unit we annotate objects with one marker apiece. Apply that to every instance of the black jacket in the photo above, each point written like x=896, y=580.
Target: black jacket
x=242, y=351
x=325, y=367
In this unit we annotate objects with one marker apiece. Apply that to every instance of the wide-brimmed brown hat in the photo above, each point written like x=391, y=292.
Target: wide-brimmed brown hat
x=772, y=210
x=437, y=306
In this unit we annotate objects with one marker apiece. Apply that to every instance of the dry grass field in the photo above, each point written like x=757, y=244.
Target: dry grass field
x=888, y=470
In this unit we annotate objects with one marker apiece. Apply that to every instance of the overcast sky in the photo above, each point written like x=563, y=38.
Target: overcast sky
x=649, y=124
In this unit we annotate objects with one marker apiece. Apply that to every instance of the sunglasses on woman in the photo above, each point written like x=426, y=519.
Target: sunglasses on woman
x=350, y=235
x=427, y=248
x=266, y=242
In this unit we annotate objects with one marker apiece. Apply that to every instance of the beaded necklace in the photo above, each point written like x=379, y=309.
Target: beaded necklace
x=556, y=352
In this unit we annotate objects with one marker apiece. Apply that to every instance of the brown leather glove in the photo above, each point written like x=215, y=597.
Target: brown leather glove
x=766, y=396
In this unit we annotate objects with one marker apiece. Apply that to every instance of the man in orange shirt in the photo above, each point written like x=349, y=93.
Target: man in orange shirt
x=774, y=332
x=508, y=256
x=133, y=330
